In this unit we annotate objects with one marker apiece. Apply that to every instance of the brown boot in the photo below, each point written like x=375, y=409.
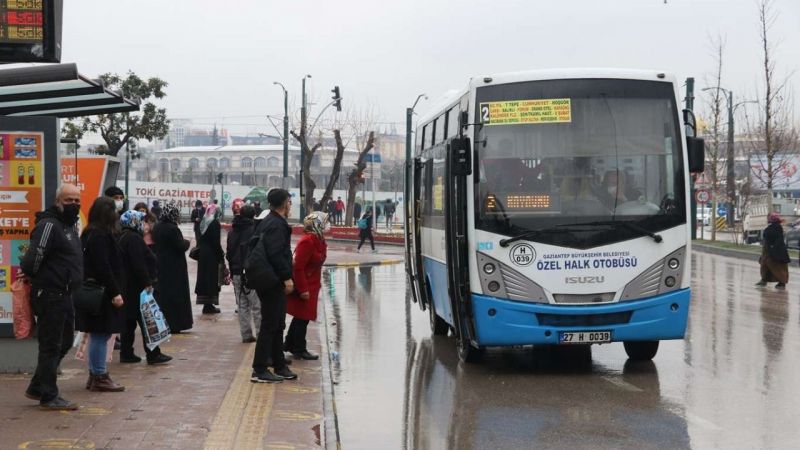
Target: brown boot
x=104, y=383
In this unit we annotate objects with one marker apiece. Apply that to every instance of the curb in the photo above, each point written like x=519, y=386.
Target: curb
x=385, y=262
x=726, y=252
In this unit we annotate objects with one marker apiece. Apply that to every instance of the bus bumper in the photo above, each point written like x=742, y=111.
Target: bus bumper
x=504, y=322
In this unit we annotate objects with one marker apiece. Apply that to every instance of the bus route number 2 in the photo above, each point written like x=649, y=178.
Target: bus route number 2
x=523, y=254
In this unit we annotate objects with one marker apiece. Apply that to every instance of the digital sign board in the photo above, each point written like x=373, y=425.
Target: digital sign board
x=30, y=30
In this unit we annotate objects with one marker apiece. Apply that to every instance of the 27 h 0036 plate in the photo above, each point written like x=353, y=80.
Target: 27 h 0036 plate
x=584, y=337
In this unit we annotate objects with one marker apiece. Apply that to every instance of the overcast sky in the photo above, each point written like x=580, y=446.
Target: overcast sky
x=221, y=57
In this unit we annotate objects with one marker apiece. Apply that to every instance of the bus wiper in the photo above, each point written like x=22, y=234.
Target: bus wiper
x=532, y=233
x=629, y=225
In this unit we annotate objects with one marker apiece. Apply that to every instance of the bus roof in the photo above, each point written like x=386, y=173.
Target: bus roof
x=452, y=96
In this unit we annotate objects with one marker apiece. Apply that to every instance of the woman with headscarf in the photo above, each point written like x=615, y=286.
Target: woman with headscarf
x=210, y=255
x=310, y=254
x=172, y=289
x=140, y=266
x=774, y=254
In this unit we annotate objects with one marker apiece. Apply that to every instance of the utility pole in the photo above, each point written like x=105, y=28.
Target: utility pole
x=303, y=114
x=731, y=174
x=409, y=164
x=285, y=132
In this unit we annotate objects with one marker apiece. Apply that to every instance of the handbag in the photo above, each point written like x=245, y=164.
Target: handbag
x=89, y=298
x=194, y=253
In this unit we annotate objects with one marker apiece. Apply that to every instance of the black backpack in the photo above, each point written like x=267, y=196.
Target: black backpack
x=257, y=271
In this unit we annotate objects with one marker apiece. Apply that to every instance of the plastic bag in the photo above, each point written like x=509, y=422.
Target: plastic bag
x=81, y=343
x=156, y=330
x=21, y=308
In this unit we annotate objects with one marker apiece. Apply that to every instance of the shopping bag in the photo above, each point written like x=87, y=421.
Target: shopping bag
x=81, y=344
x=156, y=330
x=21, y=308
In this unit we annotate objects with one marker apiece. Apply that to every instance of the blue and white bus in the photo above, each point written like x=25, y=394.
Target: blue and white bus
x=551, y=207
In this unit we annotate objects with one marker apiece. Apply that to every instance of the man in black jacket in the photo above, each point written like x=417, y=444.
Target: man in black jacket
x=54, y=263
x=246, y=299
x=276, y=236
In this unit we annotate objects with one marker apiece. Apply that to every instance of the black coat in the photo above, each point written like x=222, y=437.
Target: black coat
x=239, y=236
x=210, y=254
x=196, y=218
x=172, y=288
x=277, y=239
x=774, y=244
x=140, y=268
x=54, y=259
x=102, y=262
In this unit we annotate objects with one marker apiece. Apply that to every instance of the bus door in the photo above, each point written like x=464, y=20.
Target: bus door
x=458, y=165
x=413, y=241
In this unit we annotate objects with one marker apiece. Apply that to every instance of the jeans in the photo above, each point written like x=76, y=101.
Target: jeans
x=296, y=336
x=249, y=308
x=364, y=235
x=55, y=328
x=98, y=348
x=269, y=346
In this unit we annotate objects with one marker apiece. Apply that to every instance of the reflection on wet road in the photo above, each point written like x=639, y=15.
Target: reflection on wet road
x=730, y=384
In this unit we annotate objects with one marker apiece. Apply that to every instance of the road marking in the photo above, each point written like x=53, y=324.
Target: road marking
x=297, y=415
x=58, y=443
x=622, y=384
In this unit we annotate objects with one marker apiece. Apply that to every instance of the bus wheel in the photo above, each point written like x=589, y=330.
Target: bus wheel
x=438, y=326
x=467, y=352
x=641, y=350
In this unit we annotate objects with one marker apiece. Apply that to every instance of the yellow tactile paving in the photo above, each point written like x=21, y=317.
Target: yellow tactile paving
x=241, y=421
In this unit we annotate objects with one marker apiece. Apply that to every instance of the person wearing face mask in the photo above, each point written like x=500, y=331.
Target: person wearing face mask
x=54, y=264
x=119, y=198
x=197, y=216
x=276, y=236
x=309, y=256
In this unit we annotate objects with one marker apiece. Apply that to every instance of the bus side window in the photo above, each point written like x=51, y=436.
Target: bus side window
x=452, y=122
x=422, y=136
x=434, y=131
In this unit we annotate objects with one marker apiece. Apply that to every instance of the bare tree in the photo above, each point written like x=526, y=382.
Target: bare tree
x=715, y=156
x=775, y=132
x=356, y=176
x=337, y=167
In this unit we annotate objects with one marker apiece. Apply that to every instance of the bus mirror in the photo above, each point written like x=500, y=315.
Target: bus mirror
x=689, y=122
x=460, y=156
x=696, y=150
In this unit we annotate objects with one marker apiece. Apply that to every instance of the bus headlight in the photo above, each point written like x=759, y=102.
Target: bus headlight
x=669, y=281
x=662, y=277
x=489, y=268
x=502, y=281
x=674, y=263
x=494, y=286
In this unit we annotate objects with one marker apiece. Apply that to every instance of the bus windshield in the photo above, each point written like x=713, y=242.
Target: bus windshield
x=569, y=152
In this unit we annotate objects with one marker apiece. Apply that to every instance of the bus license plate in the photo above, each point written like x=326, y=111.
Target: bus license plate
x=584, y=337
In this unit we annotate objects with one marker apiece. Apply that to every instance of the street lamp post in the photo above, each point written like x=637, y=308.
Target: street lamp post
x=302, y=151
x=407, y=187
x=285, y=132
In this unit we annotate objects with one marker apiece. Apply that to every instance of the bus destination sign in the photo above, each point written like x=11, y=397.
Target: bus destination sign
x=526, y=112
x=30, y=30
x=21, y=21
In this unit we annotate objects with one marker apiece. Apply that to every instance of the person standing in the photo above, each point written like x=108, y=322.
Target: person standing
x=774, y=258
x=156, y=209
x=365, y=230
x=118, y=196
x=356, y=211
x=197, y=216
x=102, y=263
x=172, y=288
x=54, y=264
x=310, y=254
x=339, y=210
x=388, y=211
x=209, y=258
x=276, y=237
x=257, y=206
x=140, y=266
x=246, y=299
x=331, y=210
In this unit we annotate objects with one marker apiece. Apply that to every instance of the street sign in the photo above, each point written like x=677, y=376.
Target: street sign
x=30, y=30
x=721, y=211
x=702, y=196
x=372, y=157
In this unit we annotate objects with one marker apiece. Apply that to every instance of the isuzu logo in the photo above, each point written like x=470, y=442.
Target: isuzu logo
x=585, y=280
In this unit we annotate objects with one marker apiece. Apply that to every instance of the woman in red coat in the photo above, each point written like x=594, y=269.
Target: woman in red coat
x=309, y=255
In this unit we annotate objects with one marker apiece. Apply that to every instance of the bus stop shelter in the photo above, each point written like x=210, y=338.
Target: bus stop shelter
x=32, y=100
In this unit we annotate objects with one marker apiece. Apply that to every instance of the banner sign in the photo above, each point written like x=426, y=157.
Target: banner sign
x=21, y=197
x=527, y=112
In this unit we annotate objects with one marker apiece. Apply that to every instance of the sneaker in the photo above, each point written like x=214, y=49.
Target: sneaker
x=305, y=354
x=780, y=286
x=33, y=395
x=248, y=340
x=265, y=377
x=58, y=404
x=358, y=250
x=130, y=359
x=159, y=359
x=285, y=374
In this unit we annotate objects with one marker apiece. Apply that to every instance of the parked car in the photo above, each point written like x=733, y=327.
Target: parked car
x=792, y=235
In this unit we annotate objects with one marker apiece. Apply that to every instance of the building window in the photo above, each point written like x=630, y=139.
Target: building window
x=247, y=163
x=261, y=163
x=163, y=165
x=194, y=163
x=273, y=162
x=175, y=164
x=224, y=163
x=212, y=162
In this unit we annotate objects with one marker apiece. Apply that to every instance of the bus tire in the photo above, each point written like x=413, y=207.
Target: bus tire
x=641, y=350
x=467, y=352
x=438, y=326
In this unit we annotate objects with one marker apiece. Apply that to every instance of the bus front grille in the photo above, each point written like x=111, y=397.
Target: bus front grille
x=583, y=320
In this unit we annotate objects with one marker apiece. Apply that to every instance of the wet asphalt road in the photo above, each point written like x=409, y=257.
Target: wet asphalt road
x=733, y=383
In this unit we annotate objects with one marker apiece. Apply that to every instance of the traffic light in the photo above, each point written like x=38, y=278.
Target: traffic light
x=219, y=178
x=337, y=98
